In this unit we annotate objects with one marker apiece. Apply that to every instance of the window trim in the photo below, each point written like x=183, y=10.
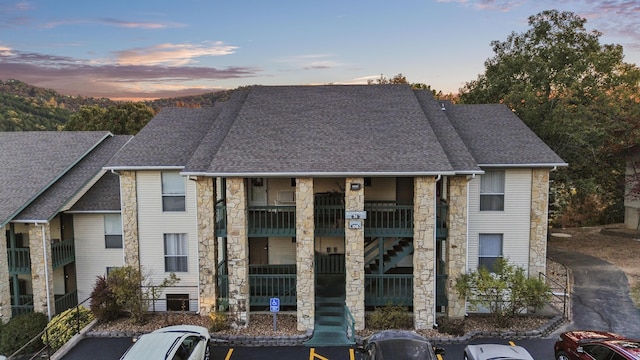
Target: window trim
x=185, y=247
x=168, y=194
x=495, y=258
x=484, y=193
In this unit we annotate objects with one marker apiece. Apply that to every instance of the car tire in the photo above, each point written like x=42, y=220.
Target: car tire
x=561, y=355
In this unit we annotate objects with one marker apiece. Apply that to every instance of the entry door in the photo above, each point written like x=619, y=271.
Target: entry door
x=258, y=251
x=257, y=192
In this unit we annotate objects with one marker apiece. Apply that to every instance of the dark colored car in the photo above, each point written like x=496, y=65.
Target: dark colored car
x=398, y=345
x=598, y=345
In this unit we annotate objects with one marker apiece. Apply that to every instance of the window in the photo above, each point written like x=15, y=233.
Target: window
x=173, y=193
x=112, y=231
x=178, y=302
x=492, y=191
x=110, y=269
x=490, y=250
x=175, y=253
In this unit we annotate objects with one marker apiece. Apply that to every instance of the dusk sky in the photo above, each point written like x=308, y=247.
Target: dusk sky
x=152, y=49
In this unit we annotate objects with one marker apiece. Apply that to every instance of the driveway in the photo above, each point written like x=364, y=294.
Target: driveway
x=600, y=295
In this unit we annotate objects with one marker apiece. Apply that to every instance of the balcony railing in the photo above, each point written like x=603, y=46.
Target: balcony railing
x=62, y=253
x=66, y=301
x=19, y=261
x=384, y=218
x=24, y=305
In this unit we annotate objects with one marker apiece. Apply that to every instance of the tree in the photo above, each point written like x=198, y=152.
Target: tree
x=575, y=94
x=123, y=118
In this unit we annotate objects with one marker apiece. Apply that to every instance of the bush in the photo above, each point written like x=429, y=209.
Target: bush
x=390, y=317
x=66, y=324
x=219, y=321
x=20, y=330
x=103, y=302
x=506, y=292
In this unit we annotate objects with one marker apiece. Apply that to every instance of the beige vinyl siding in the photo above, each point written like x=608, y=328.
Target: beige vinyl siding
x=153, y=223
x=92, y=258
x=282, y=251
x=513, y=222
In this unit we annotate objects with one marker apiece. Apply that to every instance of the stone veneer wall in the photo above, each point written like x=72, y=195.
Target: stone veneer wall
x=5, y=292
x=238, y=252
x=456, y=254
x=129, y=201
x=41, y=270
x=424, y=294
x=207, y=244
x=305, y=270
x=354, y=254
x=539, y=221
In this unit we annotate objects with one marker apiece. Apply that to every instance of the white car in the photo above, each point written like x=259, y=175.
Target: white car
x=180, y=342
x=496, y=351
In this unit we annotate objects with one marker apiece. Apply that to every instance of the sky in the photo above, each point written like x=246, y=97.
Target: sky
x=147, y=49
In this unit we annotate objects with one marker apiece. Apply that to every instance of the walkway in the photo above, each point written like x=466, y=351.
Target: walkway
x=600, y=295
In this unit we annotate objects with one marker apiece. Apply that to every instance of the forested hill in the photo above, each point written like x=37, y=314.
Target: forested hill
x=24, y=107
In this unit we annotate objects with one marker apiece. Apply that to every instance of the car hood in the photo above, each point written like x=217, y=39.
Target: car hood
x=498, y=351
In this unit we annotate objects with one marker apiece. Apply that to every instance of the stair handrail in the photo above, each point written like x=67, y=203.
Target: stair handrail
x=351, y=324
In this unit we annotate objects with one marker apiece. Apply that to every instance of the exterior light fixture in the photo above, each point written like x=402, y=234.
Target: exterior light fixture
x=355, y=186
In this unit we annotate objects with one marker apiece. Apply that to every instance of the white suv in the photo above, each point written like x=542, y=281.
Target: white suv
x=180, y=342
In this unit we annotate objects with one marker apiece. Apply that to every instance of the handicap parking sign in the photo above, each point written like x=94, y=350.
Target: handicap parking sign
x=274, y=304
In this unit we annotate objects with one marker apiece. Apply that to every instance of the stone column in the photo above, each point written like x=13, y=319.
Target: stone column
x=5, y=291
x=424, y=271
x=305, y=270
x=354, y=254
x=207, y=244
x=41, y=269
x=238, y=252
x=539, y=221
x=456, y=254
x=129, y=203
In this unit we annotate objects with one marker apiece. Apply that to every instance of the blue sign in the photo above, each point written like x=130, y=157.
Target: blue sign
x=274, y=304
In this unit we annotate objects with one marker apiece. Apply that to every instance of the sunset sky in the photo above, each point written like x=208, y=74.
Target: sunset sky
x=151, y=49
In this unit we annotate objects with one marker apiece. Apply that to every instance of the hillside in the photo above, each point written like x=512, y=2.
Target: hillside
x=24, y=107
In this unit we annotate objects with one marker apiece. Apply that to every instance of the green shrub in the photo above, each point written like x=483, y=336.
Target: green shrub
x=66, y=324
x=219, y=321
x=20, y=330
x=103, y=302
x=506, y=292
x=390, y=317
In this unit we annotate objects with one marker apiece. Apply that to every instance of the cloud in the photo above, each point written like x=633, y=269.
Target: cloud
x=114, y=80
x=172, y=54
x=113, y=22
x=500, y=5
x=312, y=61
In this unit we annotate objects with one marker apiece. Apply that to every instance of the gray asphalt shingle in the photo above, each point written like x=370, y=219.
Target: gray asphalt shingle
x=32, y=161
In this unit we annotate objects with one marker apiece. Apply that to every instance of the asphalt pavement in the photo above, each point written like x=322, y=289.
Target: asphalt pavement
x=599, y=295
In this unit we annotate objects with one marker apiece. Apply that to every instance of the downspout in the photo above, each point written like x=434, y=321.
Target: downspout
x=435, y=244
x=467, y=239
x=46, y=271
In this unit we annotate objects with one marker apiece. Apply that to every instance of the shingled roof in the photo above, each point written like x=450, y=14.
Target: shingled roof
x=32, y=162
x=334, y=130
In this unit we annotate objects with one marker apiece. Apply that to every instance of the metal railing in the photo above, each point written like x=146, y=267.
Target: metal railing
x=351, y=324
x=272, y=221
x=383, y=289
x=560, y=296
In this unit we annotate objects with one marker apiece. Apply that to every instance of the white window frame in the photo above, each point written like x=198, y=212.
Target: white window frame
x=492, y=184
x=173, y=192
x=490, y=249
x=176, y=252
x=112, y=231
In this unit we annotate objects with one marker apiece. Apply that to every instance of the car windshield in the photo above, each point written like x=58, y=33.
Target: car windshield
x=405, y=349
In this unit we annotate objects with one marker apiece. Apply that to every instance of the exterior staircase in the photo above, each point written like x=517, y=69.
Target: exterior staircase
x=330, y=325
x=391, y=255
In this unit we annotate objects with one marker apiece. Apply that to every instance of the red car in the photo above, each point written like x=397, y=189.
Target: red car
x=595, y=345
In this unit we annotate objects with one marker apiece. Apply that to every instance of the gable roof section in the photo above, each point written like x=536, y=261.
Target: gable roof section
x=326, y=131
x=77, y=180
x=102, y=197
x=496, y=137
x=167, y=141
x=334, y=130
x=32, y=161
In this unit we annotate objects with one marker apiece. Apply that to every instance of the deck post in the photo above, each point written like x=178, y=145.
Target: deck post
x=238, y=252
x=207, y=245
x=424, y=271
x=456, y=254
x=354, y=253
x=5, y=292
x=41, y=269
x=305, y=268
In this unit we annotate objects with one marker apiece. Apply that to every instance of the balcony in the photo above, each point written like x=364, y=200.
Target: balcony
x=62, y=253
